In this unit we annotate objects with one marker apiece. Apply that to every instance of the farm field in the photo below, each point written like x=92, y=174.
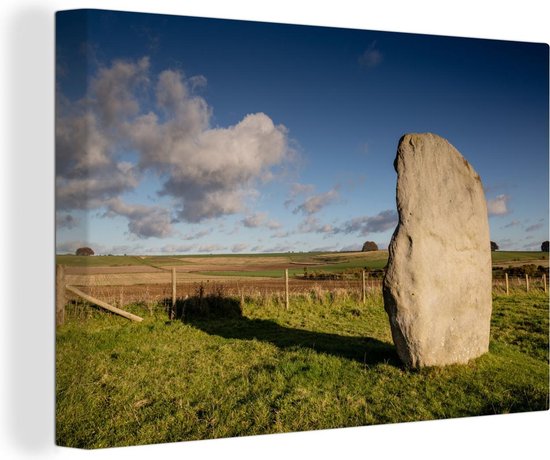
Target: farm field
x=129, y=270
x=514, y=258
x=144, y=270
x=305, y=258
x=124, y=279
x=120, y=280
x=256, y=368
x=230, y=262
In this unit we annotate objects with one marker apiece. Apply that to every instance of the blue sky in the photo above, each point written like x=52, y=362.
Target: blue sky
x=186, y=135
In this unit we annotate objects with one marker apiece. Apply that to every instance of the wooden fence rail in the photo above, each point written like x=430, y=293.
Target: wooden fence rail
x=61, y=299
x=361, y=286
x=102, y=304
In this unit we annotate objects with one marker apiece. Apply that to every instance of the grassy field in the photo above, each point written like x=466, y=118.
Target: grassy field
x=326, y=362
x=519, y=257
x=331, y=261
x=115, y=261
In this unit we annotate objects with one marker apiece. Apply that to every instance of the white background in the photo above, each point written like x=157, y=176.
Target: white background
x=27, y=233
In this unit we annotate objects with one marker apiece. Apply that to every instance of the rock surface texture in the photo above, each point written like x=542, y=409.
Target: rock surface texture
x=437, y=288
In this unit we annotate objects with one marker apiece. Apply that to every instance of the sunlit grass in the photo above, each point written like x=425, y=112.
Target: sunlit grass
x=326, y=362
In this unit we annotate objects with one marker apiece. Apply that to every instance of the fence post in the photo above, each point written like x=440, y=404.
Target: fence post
x=173, y=307
x=544, y=282
x=527, y=282
x=364, y=288
x=286, y=288
x=60, y=298
x=507, y=286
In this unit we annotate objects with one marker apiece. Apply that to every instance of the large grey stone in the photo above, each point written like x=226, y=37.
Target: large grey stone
x=437, y=288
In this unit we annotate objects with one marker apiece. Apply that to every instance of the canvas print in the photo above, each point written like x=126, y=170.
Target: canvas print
x=268, y=228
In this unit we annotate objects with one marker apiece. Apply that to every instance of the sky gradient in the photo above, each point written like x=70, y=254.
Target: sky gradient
x=187, y=135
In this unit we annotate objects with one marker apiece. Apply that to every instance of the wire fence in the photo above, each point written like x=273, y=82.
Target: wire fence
x=170, y=287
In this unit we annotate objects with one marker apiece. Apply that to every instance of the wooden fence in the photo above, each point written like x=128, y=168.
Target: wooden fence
x=60, y=302
x=525, y=283
x=295, y=285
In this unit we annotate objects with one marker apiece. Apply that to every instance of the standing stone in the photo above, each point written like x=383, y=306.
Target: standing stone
x=437, y=288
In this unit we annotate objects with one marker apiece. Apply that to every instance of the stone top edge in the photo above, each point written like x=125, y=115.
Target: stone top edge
x=408, y=136
x=412, y=138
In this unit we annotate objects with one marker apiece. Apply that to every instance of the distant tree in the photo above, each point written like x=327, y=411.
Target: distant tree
x=494, y=246
x=369, y=246
x=84, y=252
x=544, y=246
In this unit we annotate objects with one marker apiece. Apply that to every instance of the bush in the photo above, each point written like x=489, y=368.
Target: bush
x=527, y=269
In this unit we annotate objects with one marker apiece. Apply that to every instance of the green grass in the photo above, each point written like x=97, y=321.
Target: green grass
x=299, y=272
x=324, y=262
x=116, y=261
x=327, y=362
x=97, y=261
x=120, y=261
x=128, y=260
x=504, y=257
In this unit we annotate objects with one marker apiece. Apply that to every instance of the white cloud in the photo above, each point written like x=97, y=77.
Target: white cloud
x=513, y=223
x=210, y=248
x=176, y=248
x=498, y=206
x=93, y=190
x=315, y=203
x=197, y=82
x=312, y=225
x=296, y=190
x=124, y=249
x=144, y=221
x=534, y=246
x=534, y=227
x=274, y=249
x=273, y=225
x=281, y=234
x=260, y=219
x=351, y=247
x=66, y=221
x=384, y=220
x=240, y=247
x=371, y=57
x=113, y=90
x=209, y=172
x=213, y=171
x=253, y=221
x=196, y=235
x=88, y=136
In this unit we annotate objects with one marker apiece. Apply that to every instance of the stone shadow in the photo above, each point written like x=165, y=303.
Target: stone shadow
x=223, y=316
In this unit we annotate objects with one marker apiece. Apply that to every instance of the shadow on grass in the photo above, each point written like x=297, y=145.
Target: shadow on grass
x=222, y=316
